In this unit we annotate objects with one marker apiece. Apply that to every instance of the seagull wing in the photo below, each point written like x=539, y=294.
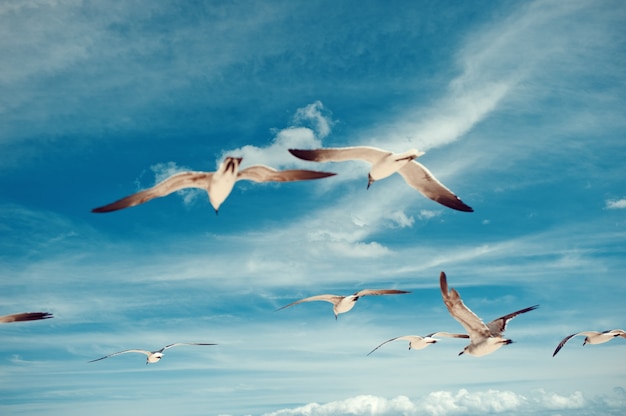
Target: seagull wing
x=618, y=332
x=567, y=338
x=407, y=337
x=366, y=153
x=172, y=184
x=420, y=178
x=176, y=344
x=377, y=292
x=144, y=352
x=446, y=335
x=25, y=316
x=474, y=326
x=498, y=325
x=334, y=299
x=260, y=173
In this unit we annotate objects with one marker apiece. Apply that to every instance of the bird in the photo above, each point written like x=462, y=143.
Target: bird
x=218, y=184
x=152, y=356
x=25, y=316
x=385, y=163
x=342, y=304
x=593, y=337
x=417, y=342
x=484, y=339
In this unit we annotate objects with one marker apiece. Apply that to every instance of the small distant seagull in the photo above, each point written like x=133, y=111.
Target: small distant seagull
x=385, y=163
x=25, y=316
x=217, y=184
x=153, y=356
x=593, y=337
x=484, y=339
x=343, y=304
x=419, y=343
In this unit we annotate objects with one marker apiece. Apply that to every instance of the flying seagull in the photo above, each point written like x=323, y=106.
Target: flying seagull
x=419, y=343
x=593, y=337
x=385, y=163
x=153, y=356
x=484, y=339
x=217, y=184
x=25, y=316
x=343, y=304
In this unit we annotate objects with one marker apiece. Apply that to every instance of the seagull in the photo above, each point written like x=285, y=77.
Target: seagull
x=385, y=163
x=593, y=337
x=484, y=339
x=153, y=356
x=25, y=316
x=419, y=343
x=343, y=304
x=217, y=184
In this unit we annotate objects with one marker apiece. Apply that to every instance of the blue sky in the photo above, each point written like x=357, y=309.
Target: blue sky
x=519, y=107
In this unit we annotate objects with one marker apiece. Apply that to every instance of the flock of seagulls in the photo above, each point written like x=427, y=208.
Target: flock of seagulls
x=483, y=338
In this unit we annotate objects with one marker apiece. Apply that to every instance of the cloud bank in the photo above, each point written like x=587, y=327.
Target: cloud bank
x=464, y=402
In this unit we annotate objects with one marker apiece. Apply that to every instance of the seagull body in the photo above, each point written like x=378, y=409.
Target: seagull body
x=417, y=342
x=484, y=339
x=593, y=337
x=342, y=304
x=25, y=316
x=217, y=184
x=152, y=356
x=384, y=164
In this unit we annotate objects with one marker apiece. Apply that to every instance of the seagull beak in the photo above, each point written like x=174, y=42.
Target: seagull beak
x=369, y=181
x=461, y=353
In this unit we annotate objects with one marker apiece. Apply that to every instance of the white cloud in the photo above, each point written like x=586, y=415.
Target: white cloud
x=441, y=403
x=296, y=136
x=616, y=204
x=316, y=114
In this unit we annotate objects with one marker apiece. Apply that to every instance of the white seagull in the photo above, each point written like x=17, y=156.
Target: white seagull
x=217, y=184
x=25, y=316
x=153, y=356
x=593, y=337
x=484, y=339
x=419, y=343
x=342, y=304
x=385, y=163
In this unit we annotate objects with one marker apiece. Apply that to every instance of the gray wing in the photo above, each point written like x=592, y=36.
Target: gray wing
x=176, y=344
x=174, y=183
x=334, y=299
x=340, y=154
x=260, y=173
x=377, y=292
x=498, y=325
x=420, y=178
x=144, y=352
x=407, y=337
x=567, y=338
x=446, y=335
x=474, y=326
x=25, y=316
